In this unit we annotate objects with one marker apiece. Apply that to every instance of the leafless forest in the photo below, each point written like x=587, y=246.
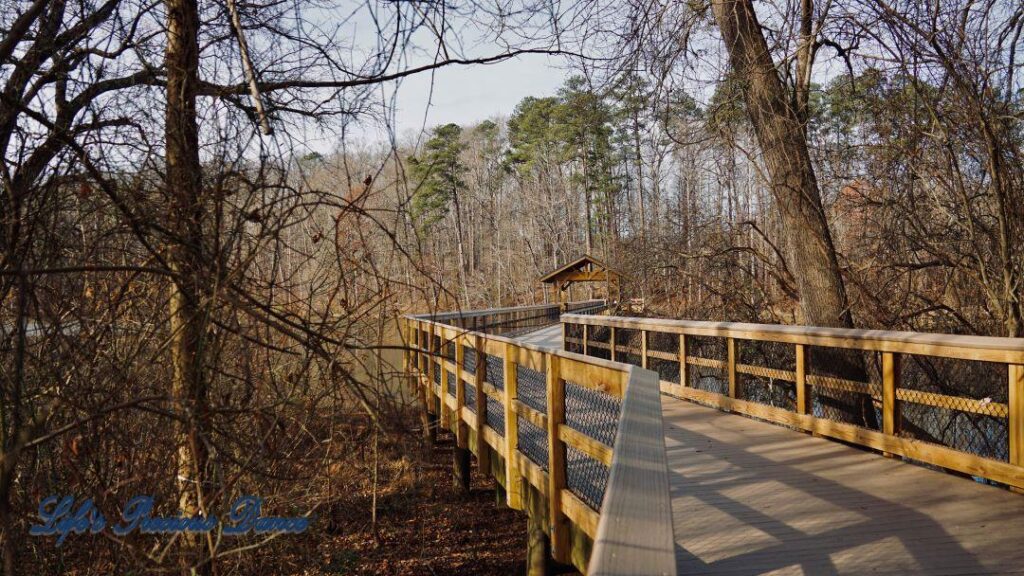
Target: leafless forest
x=196, y=306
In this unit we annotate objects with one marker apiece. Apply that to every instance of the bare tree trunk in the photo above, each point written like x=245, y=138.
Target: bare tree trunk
x=782, y=140
x=780, y=135
x=184, y=187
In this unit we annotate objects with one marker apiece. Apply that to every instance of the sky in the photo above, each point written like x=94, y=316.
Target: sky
x=468, y=94
x=465, y=95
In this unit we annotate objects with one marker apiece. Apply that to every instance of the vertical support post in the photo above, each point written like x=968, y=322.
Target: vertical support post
x=731, y=345
x=538, y=546
x=611, y=339
x=483, y=453
x=643, y=348
x=565, y=345
x=1016, y=405
x=801, y=379
x=404, y=332
x=460, y=454
x=513, y=481
x=684, y=379
x=433, y=409
x=445, y=412
x=890, y=407
x=558, y=523
x=586, y=336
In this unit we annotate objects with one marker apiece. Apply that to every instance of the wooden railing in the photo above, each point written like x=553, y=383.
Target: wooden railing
x=956, y=402
x=513, y=321
x=576, y=441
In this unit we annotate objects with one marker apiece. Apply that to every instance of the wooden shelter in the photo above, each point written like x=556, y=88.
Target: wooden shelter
x=586, y=268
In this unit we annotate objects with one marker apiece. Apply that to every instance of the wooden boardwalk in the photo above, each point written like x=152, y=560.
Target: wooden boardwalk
x=750, y=497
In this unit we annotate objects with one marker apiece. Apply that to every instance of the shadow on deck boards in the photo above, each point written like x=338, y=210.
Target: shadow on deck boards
x=750, y=497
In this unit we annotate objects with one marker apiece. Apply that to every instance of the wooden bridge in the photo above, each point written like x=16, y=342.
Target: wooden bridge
x=644, y=446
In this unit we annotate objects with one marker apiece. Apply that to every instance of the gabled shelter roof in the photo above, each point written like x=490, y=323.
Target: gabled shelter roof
x=585, y=268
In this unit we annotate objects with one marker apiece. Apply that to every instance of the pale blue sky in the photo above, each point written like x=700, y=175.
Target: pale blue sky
x=469, y=94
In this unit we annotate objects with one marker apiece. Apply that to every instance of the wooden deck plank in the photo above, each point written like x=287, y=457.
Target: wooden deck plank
x=550, y=337
x=755, y=498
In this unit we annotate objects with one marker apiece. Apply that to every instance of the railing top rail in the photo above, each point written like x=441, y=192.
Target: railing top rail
x=635, y=533
x=528, y=346
x=984, y=348
x=492, y=311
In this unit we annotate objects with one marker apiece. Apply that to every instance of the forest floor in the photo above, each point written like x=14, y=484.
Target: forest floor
x=426, y=527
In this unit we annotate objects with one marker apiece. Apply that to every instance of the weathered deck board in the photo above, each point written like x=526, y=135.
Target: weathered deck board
x=755, y=498
x=550, y=337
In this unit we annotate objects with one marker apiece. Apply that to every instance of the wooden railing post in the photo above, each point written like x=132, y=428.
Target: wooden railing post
x=801, y=379
x=433, y=407
x=611, y=334
x=1016, y=421
x=684, y=379
x=643, y=348
x=558, y=523
x=483, y=455
x=731, y=345
x=586, y=336
x=460, y=455
x=890, y=407
x=513, y=481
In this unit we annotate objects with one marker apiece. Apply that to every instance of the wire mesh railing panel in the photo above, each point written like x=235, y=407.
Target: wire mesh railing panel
x=591, y=412
x=496, y=415
x=663, y=342
x=704, y=377
x=585, y=477
x=844, y=386
x=531, y=387
x=961, y=404
x=437, y=380
x=451, y=384
x=766, y=387
x=469, y=393
x=668, y=370
x=495, y=371
x=596, y=336
x=533, y=442
x=629, y=346
x=574, y=338
x=469, y=360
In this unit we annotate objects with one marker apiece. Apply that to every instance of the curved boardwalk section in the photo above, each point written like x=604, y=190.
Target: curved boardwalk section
x=750, y=497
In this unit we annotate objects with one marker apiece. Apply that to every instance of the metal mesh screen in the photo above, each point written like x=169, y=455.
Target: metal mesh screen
x=533, y=442
x=451, y=384
x=591, y=412
x=532, y=388
x=496, y=415
x=703, y=377
x=574, y=332
x=667, y=370
x=469, y=392
x=663, y=342
x=762, y=389
x=844, y=386
x=598, y=335
x=974, y=416
x=495, y=371
x=469, y=359
x=437, y=379
x=630, y=339
x=585, y=477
